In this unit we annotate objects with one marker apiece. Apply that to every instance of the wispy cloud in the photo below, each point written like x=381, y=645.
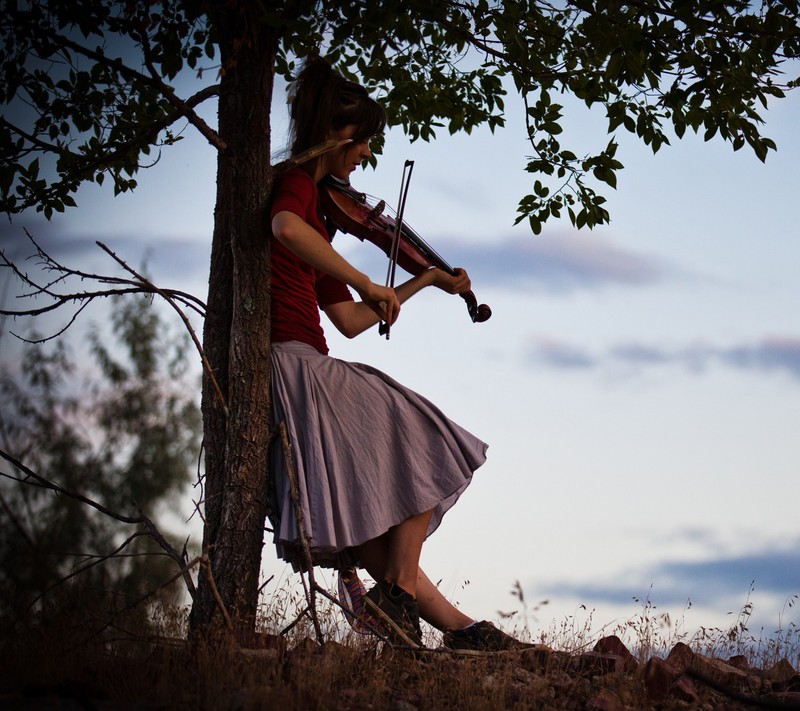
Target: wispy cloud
x=164, y=257
x=710, y=582
x=561, y=263
x=770, y=354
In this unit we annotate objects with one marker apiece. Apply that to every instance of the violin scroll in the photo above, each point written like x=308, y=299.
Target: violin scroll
x=478, y=312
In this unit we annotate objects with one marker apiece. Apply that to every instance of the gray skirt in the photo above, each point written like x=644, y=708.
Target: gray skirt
x=367, y=452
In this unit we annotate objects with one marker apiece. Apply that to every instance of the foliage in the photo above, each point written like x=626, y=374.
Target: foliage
x=88, y=85
x=122, y=432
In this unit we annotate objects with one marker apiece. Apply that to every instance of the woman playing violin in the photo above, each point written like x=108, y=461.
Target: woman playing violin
x=377, y=464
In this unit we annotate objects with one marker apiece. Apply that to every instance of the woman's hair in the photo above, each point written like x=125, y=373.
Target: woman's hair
x=321, y=99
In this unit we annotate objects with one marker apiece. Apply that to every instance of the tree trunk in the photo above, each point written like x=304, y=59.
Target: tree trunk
x=236, y=335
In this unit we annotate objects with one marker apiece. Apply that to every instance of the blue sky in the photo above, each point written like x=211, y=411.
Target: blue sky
x=639, y=385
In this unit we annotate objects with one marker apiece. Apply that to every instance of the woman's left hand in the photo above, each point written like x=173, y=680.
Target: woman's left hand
x=382, y=300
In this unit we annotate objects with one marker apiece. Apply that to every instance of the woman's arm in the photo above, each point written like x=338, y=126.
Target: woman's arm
x=352, y=317
x=379, y=303
x=304, y=241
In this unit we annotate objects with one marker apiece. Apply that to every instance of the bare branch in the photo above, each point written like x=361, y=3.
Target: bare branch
x=93, y=561
x=43, y=483
x=139, y=284
x=155, y=534
x=33, y=479
x=206, y=562
x=152, y=288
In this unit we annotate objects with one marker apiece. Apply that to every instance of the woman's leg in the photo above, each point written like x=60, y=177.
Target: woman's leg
x=436, y=609
x=394, y=556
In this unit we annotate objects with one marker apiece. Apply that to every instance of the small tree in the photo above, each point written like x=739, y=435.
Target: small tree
x=123, y=432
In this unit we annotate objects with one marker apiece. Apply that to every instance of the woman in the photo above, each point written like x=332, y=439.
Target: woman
x=377, y=465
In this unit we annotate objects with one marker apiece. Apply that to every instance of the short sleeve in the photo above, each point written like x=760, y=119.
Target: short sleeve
x=295, y=192
x=331, y=291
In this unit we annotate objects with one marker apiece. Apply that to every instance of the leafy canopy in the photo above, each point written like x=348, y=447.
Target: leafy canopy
x=91, y=89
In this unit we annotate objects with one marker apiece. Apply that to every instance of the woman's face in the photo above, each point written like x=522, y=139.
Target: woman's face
x=342, y=161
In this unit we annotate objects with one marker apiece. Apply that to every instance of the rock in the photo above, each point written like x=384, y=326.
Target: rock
x=684, y=689
x=740, y=662
x=788, y=699
x=256, y=655
x=401, y=705
x=605, y=701
x=659, y=676
x=613, y=645
x=781, y=672
x=681, y=656
x=597, y=663
x=261, y=640
x=684, y=659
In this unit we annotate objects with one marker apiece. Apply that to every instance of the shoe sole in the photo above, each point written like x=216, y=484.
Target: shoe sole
x=391, y=624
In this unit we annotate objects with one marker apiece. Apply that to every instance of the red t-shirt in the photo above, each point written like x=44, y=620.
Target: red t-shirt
x=299, y=290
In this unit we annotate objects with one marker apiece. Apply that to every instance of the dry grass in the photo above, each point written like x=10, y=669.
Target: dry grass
x=143, y=663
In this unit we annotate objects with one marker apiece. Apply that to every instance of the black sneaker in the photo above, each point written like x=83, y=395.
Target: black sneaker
x=397, y=612
x=483, y=637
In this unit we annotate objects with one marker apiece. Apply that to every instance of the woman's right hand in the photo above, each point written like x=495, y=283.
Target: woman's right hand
x=382, y=300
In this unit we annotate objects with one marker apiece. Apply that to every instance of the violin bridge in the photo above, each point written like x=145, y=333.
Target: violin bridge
x=377, y=211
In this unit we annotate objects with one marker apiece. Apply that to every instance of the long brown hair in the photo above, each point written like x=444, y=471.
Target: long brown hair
x=322, y=99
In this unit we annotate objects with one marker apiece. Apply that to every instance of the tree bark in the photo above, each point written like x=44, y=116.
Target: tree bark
x=236, y=335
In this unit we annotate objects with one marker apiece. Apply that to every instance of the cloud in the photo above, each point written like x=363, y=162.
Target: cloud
x=770, y=354
x=165, y=258
x=710, y=582
x=560, y=263
x=558, y=354
x=775, y=353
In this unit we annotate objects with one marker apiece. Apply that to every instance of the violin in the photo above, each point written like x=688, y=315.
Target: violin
x=349, y=211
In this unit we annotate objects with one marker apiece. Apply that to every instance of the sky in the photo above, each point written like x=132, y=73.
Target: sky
x=638, y=384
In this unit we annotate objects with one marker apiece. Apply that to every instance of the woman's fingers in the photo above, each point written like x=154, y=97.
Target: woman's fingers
x=456, y=283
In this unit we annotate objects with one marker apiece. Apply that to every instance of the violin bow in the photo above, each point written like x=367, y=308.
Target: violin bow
x=384, y=327
x=311, y=153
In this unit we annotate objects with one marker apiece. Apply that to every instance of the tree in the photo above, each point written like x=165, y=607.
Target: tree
x=97, y=87
x=123, y=432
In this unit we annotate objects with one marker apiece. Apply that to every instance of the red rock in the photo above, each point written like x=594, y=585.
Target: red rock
x=789, y=699
x=595, y=663
x=659, y=676
x=681, y=656
x=685, y=660
x=740, y=662
x=613, y=645
x=684, y=689
x=781, y=672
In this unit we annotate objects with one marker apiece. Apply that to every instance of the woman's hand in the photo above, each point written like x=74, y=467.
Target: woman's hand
x=457, y=283
x=382, y=300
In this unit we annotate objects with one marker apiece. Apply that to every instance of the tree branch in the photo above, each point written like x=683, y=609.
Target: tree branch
x=41, y=482
x=139, y=284
x=152, y=288
x=169, y=94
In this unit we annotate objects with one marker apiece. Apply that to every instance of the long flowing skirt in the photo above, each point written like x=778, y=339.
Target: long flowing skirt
x=367, y=452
